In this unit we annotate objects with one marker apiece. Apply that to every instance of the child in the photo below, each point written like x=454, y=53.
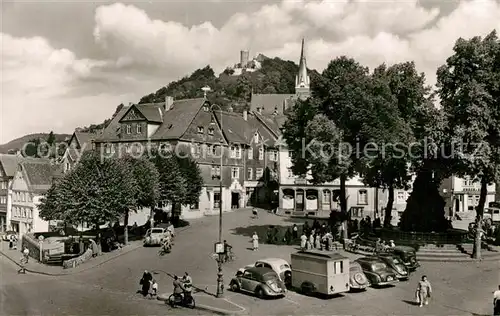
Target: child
x=154, y=288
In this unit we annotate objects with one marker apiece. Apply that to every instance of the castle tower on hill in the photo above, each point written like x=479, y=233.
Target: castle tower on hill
x=302, y=81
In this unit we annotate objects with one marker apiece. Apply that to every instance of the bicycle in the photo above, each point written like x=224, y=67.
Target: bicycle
x=164, y=250
x=230, y=257
x=181, y=300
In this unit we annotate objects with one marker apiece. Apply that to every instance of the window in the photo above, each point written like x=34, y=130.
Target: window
x=401, y=197
x=290, y=173
x=261, y=153
x=356, y=211
x=256, y=138
x=250, y=174
x=273, y=155
x=210, y=131
x=250, y=153
x=476, y=199
x=23, y=197
x=338, y=268
x=236, y=152
x=259, y=172
x=235, y=173
x=290, y=153
x=212, y=120
x=215, y=171
x=362, y=197
x=470, y=200
x=206, y=108
x=214, y=150
x=139, y=128
x=216, y=199
x=4, y=185
x=128, y=129
x=326, y=197
x=200, y=130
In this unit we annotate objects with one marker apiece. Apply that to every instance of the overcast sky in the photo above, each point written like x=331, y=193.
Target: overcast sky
x=69, y=63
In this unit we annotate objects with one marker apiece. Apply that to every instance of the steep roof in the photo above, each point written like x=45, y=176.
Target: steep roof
x=112, y=131
x=274, y=123
x=178, y=118
x=269, y=103
x=174, y=122
x=39, y=174
x=9, y=164
x=153, y=112
x=257, y=125
x=84, y=139
x=235, y=128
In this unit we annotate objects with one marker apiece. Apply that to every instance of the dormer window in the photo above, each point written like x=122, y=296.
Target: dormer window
x=128, y=128
x=256, y=138
x=200, y=130
x=210, y=131
x=212, y=119
x=139, y=128
x=206, y=108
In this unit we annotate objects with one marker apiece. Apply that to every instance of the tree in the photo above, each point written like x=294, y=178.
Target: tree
x=173, y=184
x=342, y=93
x=96, y=191
x=396, y=93
x=147, y=186
x=470, y=95
x=193, y=180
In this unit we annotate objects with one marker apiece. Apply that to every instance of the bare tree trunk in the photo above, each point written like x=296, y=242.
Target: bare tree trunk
x=388, y=207
x=479, y=219
x=125, y=228
x=343, y=205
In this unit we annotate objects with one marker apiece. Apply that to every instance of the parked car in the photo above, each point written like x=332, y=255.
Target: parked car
x=280, y=266
x=263, y=282
x=408, y=256
x=377, y=271
x=357, y=278
x=396, y=264
x=7, y=235
x=155, y=236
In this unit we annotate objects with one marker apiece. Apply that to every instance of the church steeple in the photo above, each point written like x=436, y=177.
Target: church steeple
x=302, y=84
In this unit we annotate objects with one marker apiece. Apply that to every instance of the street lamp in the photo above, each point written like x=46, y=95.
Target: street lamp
x=220, y=279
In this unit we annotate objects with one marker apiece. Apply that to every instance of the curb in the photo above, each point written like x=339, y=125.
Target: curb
x=216, y=310
x=87, y=268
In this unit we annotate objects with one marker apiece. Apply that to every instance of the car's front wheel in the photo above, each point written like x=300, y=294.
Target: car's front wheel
x=260, y=293
x=235, y=287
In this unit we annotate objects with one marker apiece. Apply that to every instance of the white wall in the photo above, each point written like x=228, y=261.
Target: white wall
x=39, y=225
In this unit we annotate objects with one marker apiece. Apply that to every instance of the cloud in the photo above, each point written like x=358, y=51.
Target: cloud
x=141, y=53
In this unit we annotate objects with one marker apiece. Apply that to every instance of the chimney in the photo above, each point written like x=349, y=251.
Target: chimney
x=169, y=101
x=245, y=115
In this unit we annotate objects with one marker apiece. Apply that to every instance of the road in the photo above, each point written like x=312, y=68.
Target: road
x=459, y=288
x=31, y=294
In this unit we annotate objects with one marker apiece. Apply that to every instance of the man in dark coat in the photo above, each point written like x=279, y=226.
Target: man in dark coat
x=147, y=277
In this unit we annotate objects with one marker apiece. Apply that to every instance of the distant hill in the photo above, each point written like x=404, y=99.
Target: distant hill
x=18, y=143
x=275, y=76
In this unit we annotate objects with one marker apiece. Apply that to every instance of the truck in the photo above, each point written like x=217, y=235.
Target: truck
x=324, y=273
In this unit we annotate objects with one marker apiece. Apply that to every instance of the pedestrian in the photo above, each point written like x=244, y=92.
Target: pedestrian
x=255, y=241
x=154, y=288
x=255, y=214
x=24, y=260
x=95, y=249
x=11, y=241
x=496, y=302
x=311, y=238
x=146, y=282
x=288, y=236
x=317, y=242
x=295, y=231
x=303, y=240
x=424, y=291
x=187, y=281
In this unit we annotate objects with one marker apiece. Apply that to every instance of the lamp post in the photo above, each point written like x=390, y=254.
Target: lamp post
x=220, y=275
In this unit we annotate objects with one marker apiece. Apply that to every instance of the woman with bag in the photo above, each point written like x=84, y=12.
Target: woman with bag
x=423, y=292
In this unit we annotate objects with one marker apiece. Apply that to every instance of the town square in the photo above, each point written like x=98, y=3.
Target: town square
x=294, y=157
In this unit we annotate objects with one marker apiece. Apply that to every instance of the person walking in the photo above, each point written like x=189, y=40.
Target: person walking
x=317, y=242
x=303, y=240
x=24, y=260
x=146, y=282
x=496, y=302
x=295, y=231
x=424, y=290
x=255, y=241
x=187, y=281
